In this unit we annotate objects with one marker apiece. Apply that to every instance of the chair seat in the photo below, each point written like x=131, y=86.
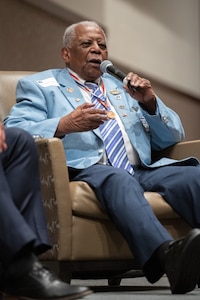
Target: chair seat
x=85, y=203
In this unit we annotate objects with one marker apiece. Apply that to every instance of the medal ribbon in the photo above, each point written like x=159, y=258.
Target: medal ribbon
x=101, y=96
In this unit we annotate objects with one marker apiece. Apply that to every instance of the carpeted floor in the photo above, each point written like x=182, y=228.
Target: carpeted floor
x=134, y=289
x=130, y=289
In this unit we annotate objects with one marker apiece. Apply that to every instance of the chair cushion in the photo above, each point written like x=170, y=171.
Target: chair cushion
x=85, y=203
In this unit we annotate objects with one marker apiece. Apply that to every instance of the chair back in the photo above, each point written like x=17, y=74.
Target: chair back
x=8, y=83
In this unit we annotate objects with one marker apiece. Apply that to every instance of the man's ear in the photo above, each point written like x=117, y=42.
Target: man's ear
x=65, y=53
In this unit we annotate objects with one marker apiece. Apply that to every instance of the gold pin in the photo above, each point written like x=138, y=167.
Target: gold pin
x=70, y=90
x=111, y=114
x=115, y=92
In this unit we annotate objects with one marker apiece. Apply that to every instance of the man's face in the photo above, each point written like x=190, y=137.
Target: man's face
x=88, y=50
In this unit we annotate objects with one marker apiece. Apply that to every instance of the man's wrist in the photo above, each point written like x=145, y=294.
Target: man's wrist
x=150, y=107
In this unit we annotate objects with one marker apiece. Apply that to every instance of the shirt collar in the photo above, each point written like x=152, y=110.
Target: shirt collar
x=98, y=81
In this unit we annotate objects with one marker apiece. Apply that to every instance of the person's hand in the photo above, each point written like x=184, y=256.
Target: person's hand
x=84, y=118
x=3, y=145
x=142, y=91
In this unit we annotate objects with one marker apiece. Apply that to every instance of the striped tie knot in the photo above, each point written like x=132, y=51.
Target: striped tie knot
x=96, y=91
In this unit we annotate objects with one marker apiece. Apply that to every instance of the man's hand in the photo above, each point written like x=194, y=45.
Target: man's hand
x=83, y=118
x=3, y=145
x=144, y=93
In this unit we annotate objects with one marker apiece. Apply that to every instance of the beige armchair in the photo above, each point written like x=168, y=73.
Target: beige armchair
x=85, y=242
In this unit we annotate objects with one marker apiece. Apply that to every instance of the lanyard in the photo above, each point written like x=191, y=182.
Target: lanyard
x=103, y=101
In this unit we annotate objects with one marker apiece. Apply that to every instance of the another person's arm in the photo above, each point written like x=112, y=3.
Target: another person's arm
x=3, y=145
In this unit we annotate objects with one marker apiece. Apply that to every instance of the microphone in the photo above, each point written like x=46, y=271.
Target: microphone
x=107, y=67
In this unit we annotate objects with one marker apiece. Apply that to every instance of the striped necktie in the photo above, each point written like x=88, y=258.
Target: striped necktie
x=111, y=133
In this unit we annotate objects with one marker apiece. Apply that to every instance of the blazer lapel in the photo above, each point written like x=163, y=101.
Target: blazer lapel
x=72, y=93
x=118, y=99
x=69, y=89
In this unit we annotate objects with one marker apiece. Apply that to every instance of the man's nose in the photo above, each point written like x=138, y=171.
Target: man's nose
x=95, y=47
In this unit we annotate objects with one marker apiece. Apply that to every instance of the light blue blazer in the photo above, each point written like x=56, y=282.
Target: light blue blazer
x=44, y=97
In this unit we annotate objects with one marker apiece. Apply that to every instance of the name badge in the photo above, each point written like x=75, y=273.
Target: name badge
x=48, y=82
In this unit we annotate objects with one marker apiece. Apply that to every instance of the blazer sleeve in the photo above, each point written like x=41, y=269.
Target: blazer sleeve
x=32, y=109
x=165, y=127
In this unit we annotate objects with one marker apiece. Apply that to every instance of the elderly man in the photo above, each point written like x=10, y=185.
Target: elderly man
x=108, y=130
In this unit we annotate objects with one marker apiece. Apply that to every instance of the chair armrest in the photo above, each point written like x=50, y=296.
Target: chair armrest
x=56, y=197
x=183, y=150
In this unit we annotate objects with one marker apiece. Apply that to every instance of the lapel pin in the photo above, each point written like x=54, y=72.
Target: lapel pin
x=70, y=90
x=135, y=108
x=115, y=92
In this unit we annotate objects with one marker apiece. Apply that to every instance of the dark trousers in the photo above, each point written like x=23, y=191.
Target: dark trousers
x=122, y=196
x=22, y=218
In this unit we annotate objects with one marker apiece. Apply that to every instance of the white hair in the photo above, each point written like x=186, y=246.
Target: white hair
x=69, y=34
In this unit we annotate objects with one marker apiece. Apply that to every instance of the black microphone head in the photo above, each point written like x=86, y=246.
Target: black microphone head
x=104, y=64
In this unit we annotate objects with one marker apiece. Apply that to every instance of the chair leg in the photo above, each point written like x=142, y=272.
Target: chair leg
x=114, y=281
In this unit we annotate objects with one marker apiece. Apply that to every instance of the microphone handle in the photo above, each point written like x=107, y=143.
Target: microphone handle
x=120, y=76
x=132, y=88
